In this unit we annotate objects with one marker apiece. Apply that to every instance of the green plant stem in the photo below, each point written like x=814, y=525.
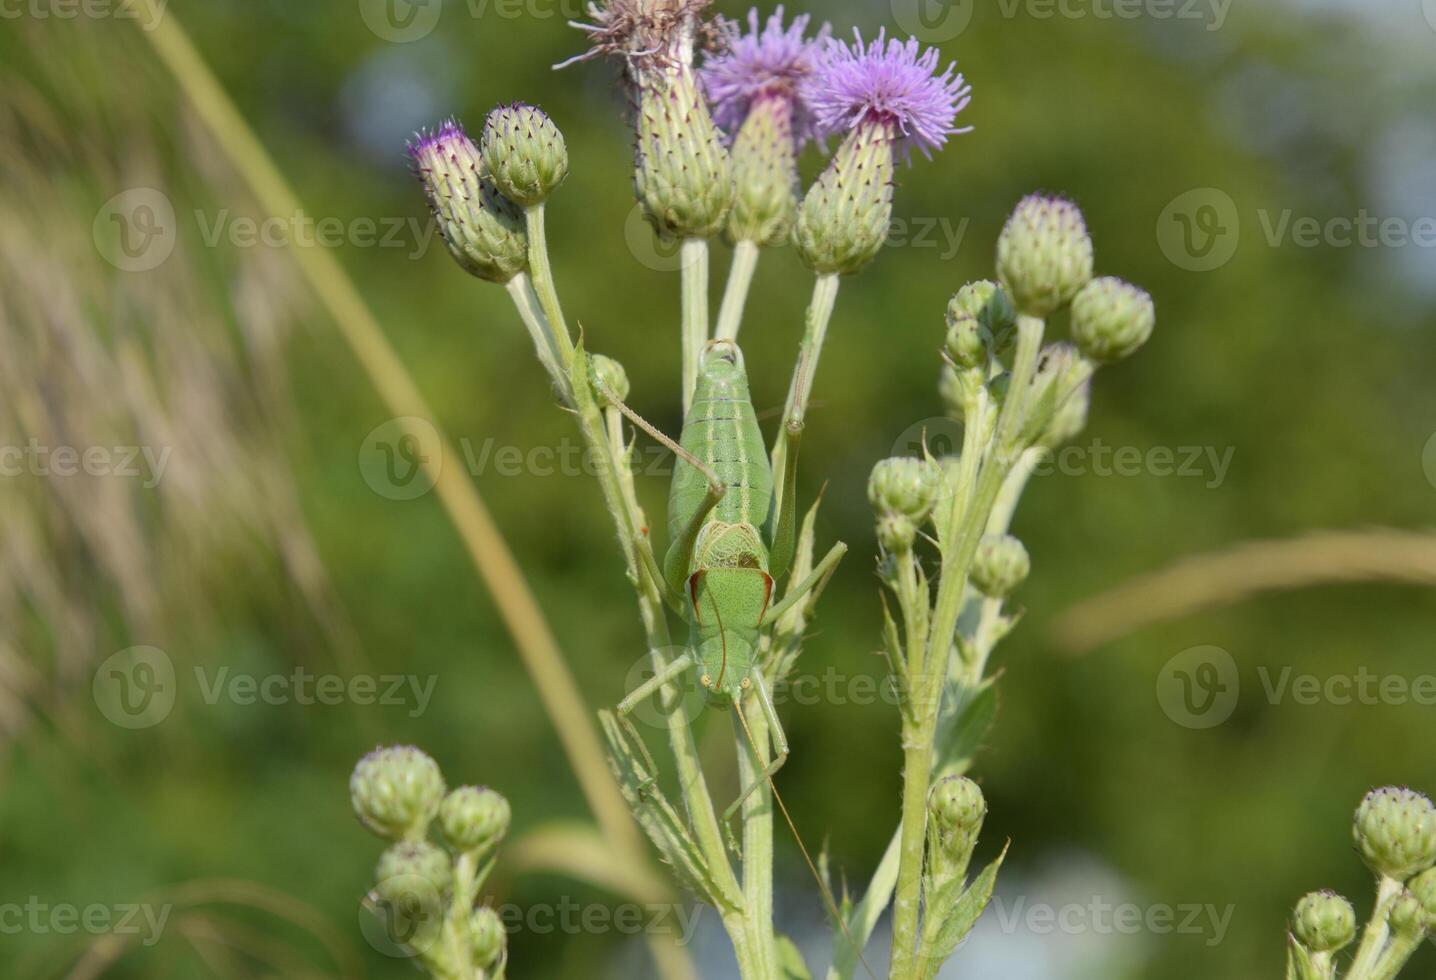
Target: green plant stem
x=965, y=527
x=868, y=912
x=694, y=258
x=735, y=295
x=753, y=758
x=542, y=274
x=815, y=334
x=1373, y=939
x=482, y=540
x=526, y=301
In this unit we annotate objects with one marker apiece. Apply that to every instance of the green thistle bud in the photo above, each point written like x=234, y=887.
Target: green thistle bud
x=609, y=378
x=1001, y=565
x=396, y=792
x=1407, y=917
x=524, y=153
x=765, y=175
x=473, y=818
x=981, y=309
x=958, y=807
x=410, y=868
x=903, y=491
x=1111, y=319
x=845, y=218
x=1395, y=831
x=683, y=177
x=1070, y=418
x=1044, y=255
x=482, y=229
x=1061, y=376
x=1324, y=922
x=487, y=937
x=1423, y=886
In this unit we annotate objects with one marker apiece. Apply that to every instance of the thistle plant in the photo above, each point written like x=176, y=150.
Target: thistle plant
x=720, y=117
x=425, y=889
x=1394, y=832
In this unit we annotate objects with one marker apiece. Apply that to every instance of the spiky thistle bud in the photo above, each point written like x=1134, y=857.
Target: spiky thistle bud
x=765, y=177
x=1070, y=417
x=1423, y=887
x=483, y=230
x=1044, y=254
x=903, y=491
x=474, y=818
x=487, y=937
x=524, y=153
x=1000, y=565
x=1061, y=375
x=957, y=805
x=1395, y=831
x=1324, y=922
x=610, y=380
x=846, y=216
x=956, y=809
x=683, y=176
x=396, y=792
x=1111, y=319
x=979, y=317
x=1407, y=917
x=413, y=865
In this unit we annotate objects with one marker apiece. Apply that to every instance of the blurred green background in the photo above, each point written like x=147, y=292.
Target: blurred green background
x=265, y=549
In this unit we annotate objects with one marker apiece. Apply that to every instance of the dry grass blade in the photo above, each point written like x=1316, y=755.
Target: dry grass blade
x=1221, y=578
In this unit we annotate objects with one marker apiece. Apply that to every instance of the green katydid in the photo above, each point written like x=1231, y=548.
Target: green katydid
x=719, y=571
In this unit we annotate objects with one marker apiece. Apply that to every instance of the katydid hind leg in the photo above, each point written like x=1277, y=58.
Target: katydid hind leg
x=775, y=731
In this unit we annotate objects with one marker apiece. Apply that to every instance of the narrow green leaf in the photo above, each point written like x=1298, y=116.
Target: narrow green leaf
x=790, y=961
x=960, y=736
x=965, y=914
x=637, y=777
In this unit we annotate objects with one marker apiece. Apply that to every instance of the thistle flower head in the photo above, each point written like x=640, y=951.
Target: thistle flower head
x=646, y=34
x=473, y=818
x=890, y=82
x=1395, y=831
x=769, y=62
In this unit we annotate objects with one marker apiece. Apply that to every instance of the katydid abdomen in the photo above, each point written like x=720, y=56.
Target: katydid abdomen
x=721, y=430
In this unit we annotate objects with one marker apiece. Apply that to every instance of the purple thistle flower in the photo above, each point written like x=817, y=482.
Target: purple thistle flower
x=769, y=62
x=444, y=141
x=890, y=82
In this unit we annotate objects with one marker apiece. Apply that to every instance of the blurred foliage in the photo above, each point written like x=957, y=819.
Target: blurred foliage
x=1310, y=364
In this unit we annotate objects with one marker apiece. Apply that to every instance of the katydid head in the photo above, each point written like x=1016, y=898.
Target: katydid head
x=723, y=362
x=727, y=606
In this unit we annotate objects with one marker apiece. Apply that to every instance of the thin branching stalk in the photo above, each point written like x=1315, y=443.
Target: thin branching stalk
x=694, y=258
x=735, y=295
